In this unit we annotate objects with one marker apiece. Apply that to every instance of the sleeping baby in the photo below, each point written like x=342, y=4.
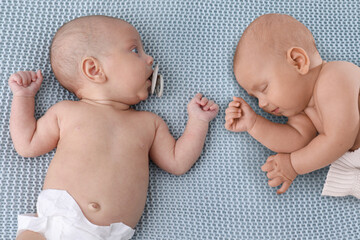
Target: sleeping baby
x=96, y=184
x=277, y=62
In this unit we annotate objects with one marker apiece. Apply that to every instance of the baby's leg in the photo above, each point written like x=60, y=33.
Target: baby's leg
x=30, y=235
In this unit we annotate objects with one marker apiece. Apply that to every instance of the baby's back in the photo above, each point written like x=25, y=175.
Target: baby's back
x=102, y=160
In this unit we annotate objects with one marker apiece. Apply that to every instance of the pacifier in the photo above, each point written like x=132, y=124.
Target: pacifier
x=157, y=82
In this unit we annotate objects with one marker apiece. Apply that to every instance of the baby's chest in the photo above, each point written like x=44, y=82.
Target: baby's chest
x=113, y=134
x=133, y=134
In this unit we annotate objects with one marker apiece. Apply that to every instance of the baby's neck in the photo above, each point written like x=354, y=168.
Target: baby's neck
x=107, y=103
x=316, y=66
x=315, y=61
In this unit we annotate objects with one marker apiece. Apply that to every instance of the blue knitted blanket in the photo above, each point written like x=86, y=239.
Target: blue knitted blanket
x=225, y=195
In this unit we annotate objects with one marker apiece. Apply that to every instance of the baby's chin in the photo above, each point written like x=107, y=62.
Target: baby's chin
x=135, y=99
x=272, y=113
x=142, y=97
x=286, y=114
x=276, y=114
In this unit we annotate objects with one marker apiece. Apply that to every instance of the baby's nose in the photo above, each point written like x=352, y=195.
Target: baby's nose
x=262, y=103
x=150, y=60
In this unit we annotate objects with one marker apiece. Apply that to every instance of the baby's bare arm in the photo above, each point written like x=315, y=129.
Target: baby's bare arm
x=30, y=137
x=177, y=157
x=337, y=100
x=284, y=138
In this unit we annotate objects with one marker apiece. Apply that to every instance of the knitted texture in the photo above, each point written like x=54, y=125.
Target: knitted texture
x=225, y=195
x=343, y=177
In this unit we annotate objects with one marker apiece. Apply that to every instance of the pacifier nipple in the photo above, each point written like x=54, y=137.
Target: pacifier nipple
x=157, y=82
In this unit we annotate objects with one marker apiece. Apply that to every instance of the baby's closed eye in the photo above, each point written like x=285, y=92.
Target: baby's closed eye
x=264, y=88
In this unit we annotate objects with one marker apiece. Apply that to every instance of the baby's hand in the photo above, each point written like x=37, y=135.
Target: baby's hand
x=279, y=171
x=25, y=83
x=203, y=109
x=239, y=116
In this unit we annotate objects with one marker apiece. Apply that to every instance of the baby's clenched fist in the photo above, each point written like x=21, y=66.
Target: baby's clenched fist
x=239, y=116
x=25, y=83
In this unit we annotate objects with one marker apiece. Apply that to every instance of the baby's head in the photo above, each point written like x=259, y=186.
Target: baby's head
x=101, y=58
x=274, y=60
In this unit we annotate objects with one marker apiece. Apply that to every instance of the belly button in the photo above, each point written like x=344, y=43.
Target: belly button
x=94, y=206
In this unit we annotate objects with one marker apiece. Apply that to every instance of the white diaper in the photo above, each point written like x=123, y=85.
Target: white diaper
x=60, y=217
x=343, y=177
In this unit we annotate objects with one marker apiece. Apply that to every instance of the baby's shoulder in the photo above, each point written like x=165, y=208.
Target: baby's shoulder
x=338, y=74
x=340, y=80
x=64, y=107
x=149, y=116
x=339, y=70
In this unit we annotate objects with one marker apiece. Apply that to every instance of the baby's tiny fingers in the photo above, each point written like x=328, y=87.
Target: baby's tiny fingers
x=208, y=105
x=238, y=99
x=25, y=78
x=33, y=76
x=20, y=79
x=270, y=158
x=197, y=97
x=28, y=74
x=233, y=110
x=15, y=78
x=234, y=104
x=214, y=107
x=232, y=116
x=285, y=186
x=272, y=174
x=39, y=78
x=39, y=75
x=204, y=101
x=275, y=182
x=268, y=166
x=228, y=124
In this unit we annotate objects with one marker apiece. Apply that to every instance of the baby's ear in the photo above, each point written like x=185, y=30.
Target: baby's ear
x=298, y=58
x=92, y=70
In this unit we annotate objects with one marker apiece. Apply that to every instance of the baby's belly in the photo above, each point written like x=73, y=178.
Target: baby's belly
x=357, y=143
x=107, y=191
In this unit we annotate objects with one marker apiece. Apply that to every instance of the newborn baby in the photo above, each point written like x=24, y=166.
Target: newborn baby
x=96, y=184
x=277, y=62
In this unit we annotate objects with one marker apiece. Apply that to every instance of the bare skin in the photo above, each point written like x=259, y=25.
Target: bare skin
x=102, y=145
x=30, y=235
x=321, y=101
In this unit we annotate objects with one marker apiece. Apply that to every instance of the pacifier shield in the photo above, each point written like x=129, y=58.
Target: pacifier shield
x=157, y=82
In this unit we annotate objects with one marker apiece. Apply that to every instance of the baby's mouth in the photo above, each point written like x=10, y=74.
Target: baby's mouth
x=149, y=82
x=276, y=110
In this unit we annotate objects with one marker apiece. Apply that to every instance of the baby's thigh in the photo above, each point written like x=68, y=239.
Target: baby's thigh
x=30, y=235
